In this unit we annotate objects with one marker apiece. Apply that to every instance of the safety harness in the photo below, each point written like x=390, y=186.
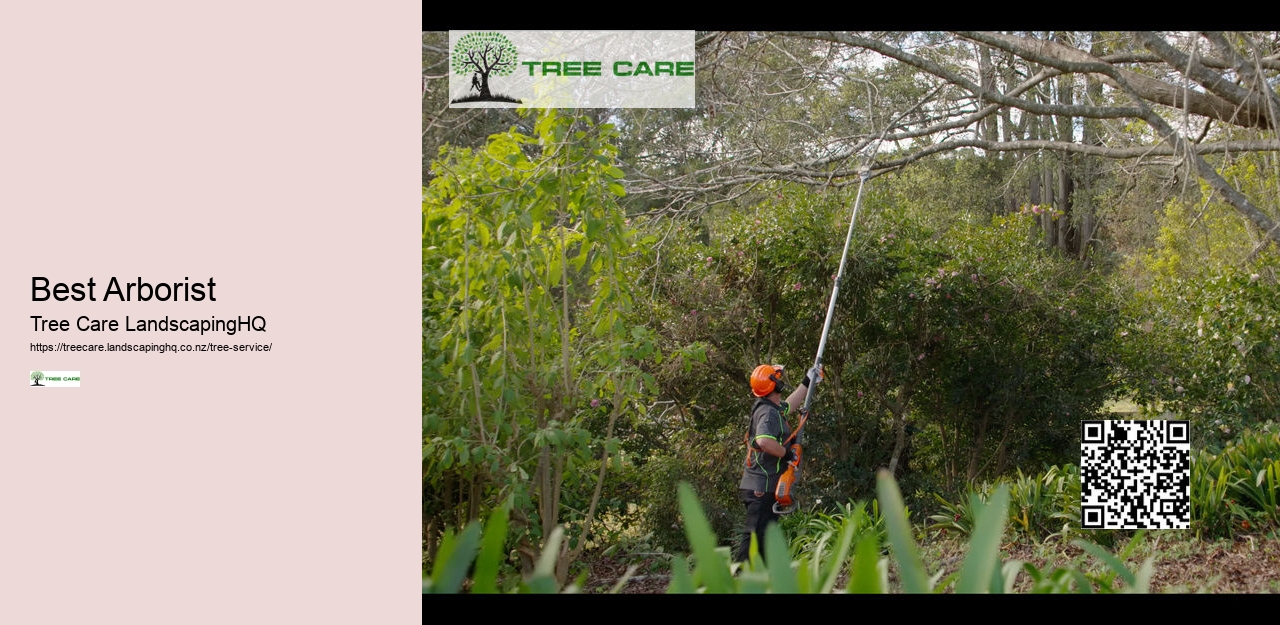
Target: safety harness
x=785, y=502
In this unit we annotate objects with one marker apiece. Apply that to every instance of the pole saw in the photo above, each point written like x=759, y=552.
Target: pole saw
x=785, y=500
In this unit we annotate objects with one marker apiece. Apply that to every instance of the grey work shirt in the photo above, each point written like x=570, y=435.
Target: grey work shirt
x=762, y=470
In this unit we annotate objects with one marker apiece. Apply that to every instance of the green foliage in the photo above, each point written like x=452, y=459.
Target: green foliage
x=1233, y=492
x=460, y=552
x=1203, y=325
x=713, y=475
x=816, y=570
x=1043, y=506
x=1041, y=502
x=814, y=529
x=960, y=181
x=454, y=556
x=1238, y=490
x=1204, y=348
x=1007, y=352
x=1139, y=581
x=1199, y=234
x=991, y=348
x=528, y=357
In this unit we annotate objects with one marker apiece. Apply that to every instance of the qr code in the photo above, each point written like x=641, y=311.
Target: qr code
x=1135, y=474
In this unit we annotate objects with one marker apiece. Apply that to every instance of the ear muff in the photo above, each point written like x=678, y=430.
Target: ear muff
x=778, y=382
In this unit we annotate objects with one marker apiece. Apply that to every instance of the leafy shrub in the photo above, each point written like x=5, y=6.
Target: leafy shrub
x=713, y=476
x=813, y=530
x=1204, y=347
x=1233, y=492
x=1238, y=490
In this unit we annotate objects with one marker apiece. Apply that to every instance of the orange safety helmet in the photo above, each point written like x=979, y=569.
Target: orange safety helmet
x=765, y=379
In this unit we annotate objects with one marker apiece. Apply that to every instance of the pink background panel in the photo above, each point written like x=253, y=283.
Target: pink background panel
x=272, y=146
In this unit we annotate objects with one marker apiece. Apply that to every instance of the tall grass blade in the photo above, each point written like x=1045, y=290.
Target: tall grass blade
x=495, y=535
x=1008, y=576
x=453, y=559
x=781, y=578
x=681, y=580
x=543, y=580
x=622, y=581
x=1111, y=561
x=911, y=570
x=864, y=579
x=711, y=570
x=984, y=548
x=836, y=562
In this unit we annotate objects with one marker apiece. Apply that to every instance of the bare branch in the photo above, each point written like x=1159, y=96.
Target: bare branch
x=954, y=78
x=1248, y=103
x=1146, y=88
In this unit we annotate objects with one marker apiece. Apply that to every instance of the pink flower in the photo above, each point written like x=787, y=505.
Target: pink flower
x=920, y=357
x=796, y=287
x=595, y=403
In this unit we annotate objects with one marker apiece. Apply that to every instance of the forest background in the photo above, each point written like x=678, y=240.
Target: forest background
x=1054, y=227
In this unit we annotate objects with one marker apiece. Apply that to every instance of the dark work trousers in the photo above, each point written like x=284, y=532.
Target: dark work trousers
x=759, y=515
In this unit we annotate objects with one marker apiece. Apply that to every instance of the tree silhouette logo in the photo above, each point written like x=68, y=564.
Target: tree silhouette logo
x=481, y=55
x=36, y=376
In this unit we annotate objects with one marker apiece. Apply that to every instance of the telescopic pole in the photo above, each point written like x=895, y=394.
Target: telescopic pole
x=835, y=291
x=788, y=480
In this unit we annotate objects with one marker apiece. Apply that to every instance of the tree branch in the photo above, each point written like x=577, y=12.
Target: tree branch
x=1144, y=88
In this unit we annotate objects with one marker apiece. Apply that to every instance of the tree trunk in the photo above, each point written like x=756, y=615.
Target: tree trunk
x=1092, y=135
x=1065, y=229
x=449, y=501
x=975, y=451
x=429, y=543
x=988, y=125
x=1046, y=219
x=473, y=507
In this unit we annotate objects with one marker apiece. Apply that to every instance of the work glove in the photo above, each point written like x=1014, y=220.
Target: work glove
x=814, y=376
x=790, y=455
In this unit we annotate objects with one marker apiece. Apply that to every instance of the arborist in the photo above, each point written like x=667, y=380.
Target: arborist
x=772, y=466
x=769, y=453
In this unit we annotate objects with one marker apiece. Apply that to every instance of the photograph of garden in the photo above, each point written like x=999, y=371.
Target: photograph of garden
x=986, y=238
